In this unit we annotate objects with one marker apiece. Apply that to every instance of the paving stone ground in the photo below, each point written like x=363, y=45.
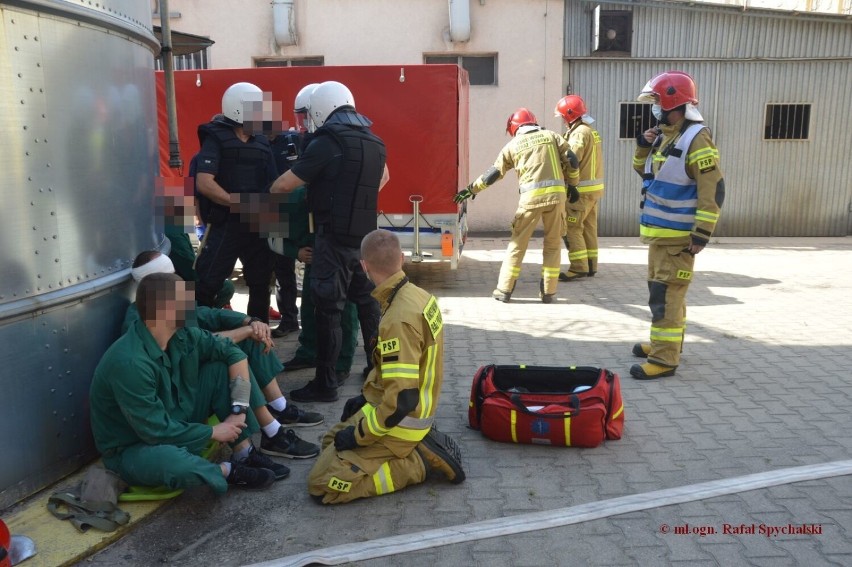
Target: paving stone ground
x=764, y=384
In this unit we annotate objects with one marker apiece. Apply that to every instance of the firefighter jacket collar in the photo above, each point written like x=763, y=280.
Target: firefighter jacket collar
x=383, y=291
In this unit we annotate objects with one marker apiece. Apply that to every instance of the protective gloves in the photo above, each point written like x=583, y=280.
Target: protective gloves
x=345, y=439
x=572, y=159
x=573, y=194
x=352, y=406
x=463, y=195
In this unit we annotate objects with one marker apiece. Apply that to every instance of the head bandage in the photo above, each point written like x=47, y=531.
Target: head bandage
x=159, y=265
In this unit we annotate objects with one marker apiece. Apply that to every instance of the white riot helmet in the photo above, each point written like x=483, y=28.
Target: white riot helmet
x=234, y=101
x=301, y=106
x=326, y=98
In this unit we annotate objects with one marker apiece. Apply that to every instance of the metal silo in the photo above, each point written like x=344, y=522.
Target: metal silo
x=78, y=165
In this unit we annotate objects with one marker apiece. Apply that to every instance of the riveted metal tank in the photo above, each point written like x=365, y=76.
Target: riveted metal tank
x=77, y=175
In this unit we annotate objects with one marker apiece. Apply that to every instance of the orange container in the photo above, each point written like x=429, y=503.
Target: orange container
x=447, y=244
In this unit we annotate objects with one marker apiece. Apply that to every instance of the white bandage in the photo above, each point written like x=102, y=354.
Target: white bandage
x=159, y=265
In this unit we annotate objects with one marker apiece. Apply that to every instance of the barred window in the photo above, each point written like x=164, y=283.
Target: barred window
x=197, y=60
x=787, y=122
x=481, y=69
x=634, y=118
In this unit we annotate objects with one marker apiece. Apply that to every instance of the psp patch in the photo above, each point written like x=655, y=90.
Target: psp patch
x=389, y=346
x=339, y=485
x=432, y=313
x=706, y=165
x=684, y=275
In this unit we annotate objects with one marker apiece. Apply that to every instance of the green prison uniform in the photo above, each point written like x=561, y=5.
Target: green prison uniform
x=300, y=237
x=149, y=407
x=264, y=367
x=183, y=257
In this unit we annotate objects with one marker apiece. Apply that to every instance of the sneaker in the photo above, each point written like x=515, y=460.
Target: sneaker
x=252, y=478
x=286, y=443
x=500, y=295
x=642, y=350
x=571, y=276
x=341, y=376
x=283, y=330
x=651, y=371
x=309, y=394
x=256, y=460
x=298, y=364
x=440, y=452
x=273, y=314
x=293, y=416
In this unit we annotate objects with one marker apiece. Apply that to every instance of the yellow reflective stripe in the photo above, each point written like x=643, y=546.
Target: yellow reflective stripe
x=702, y=153
x=667, y=334
x=706, y=216
x=658, y=232
x=382, y=480
x=578, y=255
x=568, y=429
x=426, y=399
x=514, y=420
x=555, y=162
x=392, y=370
x=638, y=161
x=373, y=421
x=618, y=413
x=413, y=435
x=550, y=272
x=589, y=188
x=515, y=270
x=546, y=191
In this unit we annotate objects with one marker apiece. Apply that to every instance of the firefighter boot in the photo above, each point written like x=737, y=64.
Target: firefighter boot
x=545, y=297
x=642, y=350
x=501, y=295
x=440, y=452
x=651, y=371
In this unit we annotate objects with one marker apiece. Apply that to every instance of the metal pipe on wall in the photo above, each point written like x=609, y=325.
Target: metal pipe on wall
x=169, y=72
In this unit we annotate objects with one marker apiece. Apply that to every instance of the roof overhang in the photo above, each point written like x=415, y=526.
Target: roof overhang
x=184, y=43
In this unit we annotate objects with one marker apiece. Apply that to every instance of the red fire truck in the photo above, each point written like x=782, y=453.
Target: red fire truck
x=420, y=111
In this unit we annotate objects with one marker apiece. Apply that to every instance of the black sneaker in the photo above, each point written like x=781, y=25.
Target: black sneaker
x=256, y=460
x=245, y=476
x=286, y=443
x=283, y=330
x=440, y=452
x=309, y=394
x=293, y=416
x=298, y=364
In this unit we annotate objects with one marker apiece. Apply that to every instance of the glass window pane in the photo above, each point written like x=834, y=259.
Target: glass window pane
x=441, y=59
x=481, y=70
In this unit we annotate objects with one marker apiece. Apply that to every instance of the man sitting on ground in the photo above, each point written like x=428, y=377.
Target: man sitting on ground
x=155, y=388
x=386, y=439
x=253, y=337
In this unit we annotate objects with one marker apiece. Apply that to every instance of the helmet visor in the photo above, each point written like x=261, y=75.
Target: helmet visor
x=301, y=118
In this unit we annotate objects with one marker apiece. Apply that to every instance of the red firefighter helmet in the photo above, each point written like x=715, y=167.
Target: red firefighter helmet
x=571, y=108
x=670, y=90
x=521, y=117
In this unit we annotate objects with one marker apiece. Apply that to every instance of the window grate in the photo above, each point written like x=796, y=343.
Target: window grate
x=787, y=122
x=291, y=62
x=634, y=118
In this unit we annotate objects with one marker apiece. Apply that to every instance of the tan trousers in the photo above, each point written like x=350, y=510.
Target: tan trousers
x=670, y=271
x=343, y=476
x=581, y=231
x=523, y=225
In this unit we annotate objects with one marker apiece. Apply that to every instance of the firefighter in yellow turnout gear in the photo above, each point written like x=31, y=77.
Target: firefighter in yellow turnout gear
x=541, y=158
x=581, y=217
x=386, y=439
x=683, y=192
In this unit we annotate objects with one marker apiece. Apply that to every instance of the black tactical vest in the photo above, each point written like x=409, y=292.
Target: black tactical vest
x=243, y=167
x=348, y=204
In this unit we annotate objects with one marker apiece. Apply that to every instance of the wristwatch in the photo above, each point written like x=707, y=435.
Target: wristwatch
x=238, y=409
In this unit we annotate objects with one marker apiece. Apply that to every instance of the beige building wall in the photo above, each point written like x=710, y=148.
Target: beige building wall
x=526, y=36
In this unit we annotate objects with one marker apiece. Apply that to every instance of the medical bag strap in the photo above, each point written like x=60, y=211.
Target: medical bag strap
x=574, y=405
x=104, y=516
x=610, y=379
x=485, y=371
